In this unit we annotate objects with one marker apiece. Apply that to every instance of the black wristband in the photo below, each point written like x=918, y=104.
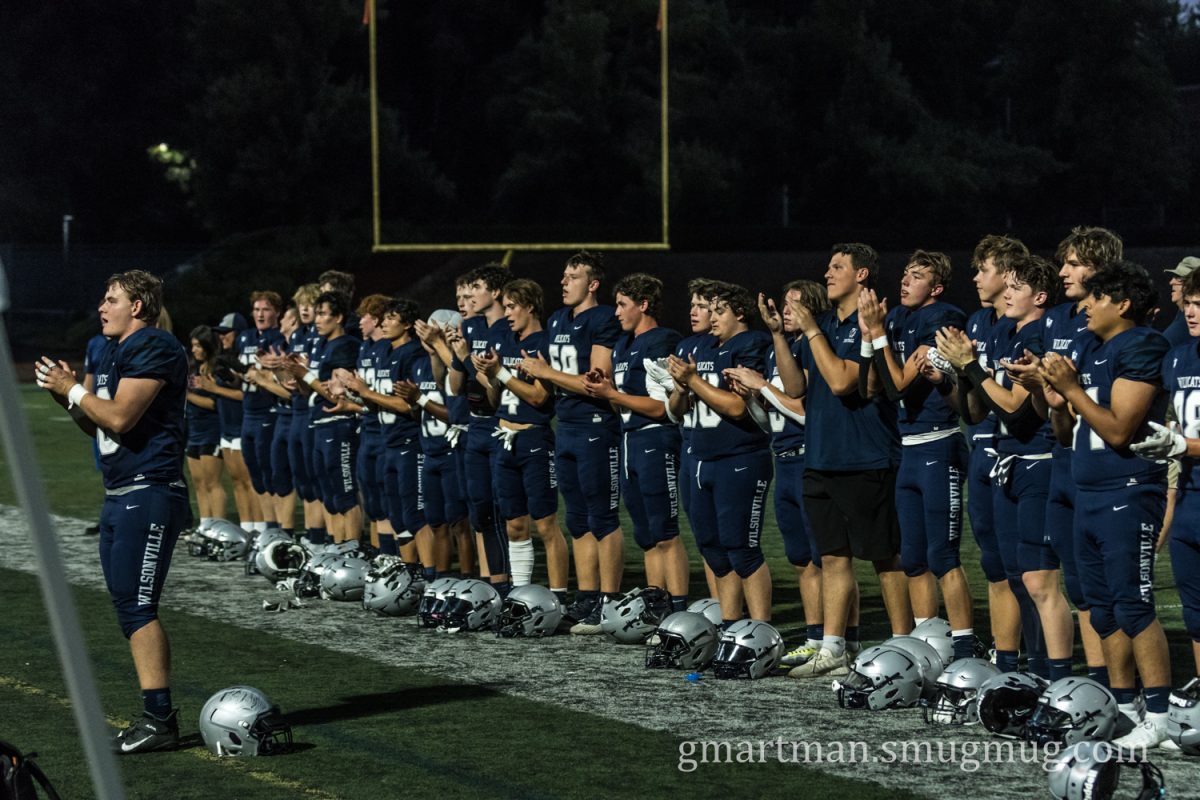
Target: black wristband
x=976, y=373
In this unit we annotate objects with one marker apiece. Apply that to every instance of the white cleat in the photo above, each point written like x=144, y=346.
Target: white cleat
x=823, y=664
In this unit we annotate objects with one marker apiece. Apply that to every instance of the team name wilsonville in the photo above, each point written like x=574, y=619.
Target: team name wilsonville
x=150, y=564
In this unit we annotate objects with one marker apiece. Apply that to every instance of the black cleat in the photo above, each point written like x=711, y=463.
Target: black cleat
x=148, y=734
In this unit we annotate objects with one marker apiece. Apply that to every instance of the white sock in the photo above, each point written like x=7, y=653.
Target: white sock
x=258, y=526
x=962, y=632
x=1130, y=710
x=520, y=559
x=919, y=620
x=836, y=645
x=814, y=642
x=205, y=523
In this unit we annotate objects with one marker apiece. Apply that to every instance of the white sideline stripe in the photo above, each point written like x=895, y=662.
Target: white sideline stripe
x=563, y=670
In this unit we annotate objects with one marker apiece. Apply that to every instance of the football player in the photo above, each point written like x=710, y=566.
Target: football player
x=332, y=280
x=300, y=437
x=334, y=424
x=136, y=414
x=733, y=467
x=701, y=342
x=638, y=388
x=1024, y=441
x=587, y=434
x=933, y=453
x=480, y=330
x=1115, y=391
x=777, y=406
x=1177, y=332
x=371, y=358
x=258, y=407
x=523, y=463
x=852, y=448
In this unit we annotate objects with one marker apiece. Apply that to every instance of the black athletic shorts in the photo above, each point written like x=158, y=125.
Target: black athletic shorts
x=197, y=450
x=854, y=511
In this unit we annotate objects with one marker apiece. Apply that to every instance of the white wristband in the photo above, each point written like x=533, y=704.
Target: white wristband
x=503, y=375
x=423, y=401
x=76, y=394
x=866, y=349
x=880, y=343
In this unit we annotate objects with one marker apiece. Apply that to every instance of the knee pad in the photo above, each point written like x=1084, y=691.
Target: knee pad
x=577, y=523
x=942, y=563
x=1191, y=622
x=746, y=560
x=914, y=570
x=1103, y=621
x=1074, y=590
x=1133, y=617
x=132, y=617
x=796, y=548
x=604, y=533
x=993, y=567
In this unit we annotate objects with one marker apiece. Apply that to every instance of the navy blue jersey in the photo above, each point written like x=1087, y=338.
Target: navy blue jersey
x=1134, y=355
x=203, y=426
x=396, y=366
x=786, y=433
x=1008, y=344
x=848, y=432
x=699, y=347
x=629, y=371
x=1177, y=332
x=1064, y=324
x=511, y=407
x=433, y=430
x=980, y=328
x=481, y=338
x=152, y=451
x=571, y=338
x=250, y=343
x=717, y=436
x=327, y=356
x=94, y=354
x=371, y=354
x=924, y=409
x=1181, y=377
x=300, y=344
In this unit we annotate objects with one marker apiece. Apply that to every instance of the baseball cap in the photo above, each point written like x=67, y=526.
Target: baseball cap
x=1185, y=267
x=233, y=321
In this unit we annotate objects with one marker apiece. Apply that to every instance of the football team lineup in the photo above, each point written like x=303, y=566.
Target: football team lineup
x=428, y=453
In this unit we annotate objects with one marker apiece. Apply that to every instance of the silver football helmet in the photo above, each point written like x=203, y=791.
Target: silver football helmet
x=747, y=649
x=710, y=608
x=881, y=677
x=226, y=541
x=685, y=640
x=197, y=543
x=929, y=661
x=257, y=544
x=344, y=579
x=242, y=721
x=1073, y=710
x=1183, y=718
x=956, y=692
x=1006, y=701
x=309, y=582
x=635, y=616
x=529, y=610
x=470, y=605
x=280, y=559
x=935, y=632
x=1092, y=771
x=393, y=588
x=432, y=606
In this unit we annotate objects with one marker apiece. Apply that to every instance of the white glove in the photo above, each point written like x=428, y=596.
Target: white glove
x=939, y=361
x=656, y=370
x=1162, y=444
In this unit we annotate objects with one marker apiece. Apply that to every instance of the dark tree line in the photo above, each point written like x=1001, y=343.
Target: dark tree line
x=514, y=114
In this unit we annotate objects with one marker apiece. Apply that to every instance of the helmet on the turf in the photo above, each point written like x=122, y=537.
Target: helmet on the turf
x=226, y=541
x=432, y=606
x=635, y=616
x=257, y=544
x=1092, y=771
x=1183, y=718
x=929, y=661
x=956, y=692
x=935, y=632
x=344, y=579
x=710, y=608
x=1073, y=710
x=280, y=559
x=393, y=588
x=308, y=584
x=242, y=721
x=1006, y=702
x=881, y=677
x=470, y=605
x=684, y=640
x=529, y=610
x=747, y=649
